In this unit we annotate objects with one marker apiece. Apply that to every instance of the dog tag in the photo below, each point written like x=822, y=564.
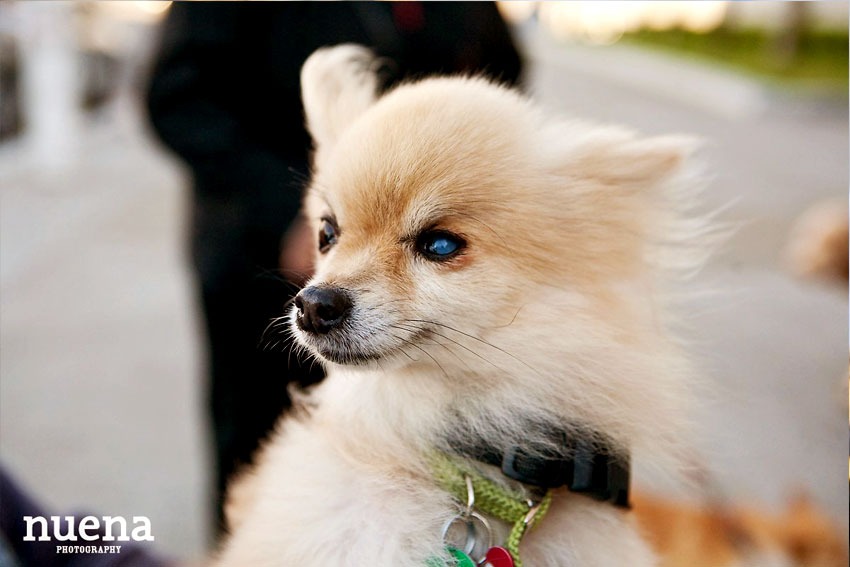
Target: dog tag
x=498, y=557
x=461, y=558
x=458, y=559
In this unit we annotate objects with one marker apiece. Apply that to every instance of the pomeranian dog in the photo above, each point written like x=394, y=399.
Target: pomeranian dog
x=490, y=288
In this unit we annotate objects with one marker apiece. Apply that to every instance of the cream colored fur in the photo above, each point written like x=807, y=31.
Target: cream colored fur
x=554, y=312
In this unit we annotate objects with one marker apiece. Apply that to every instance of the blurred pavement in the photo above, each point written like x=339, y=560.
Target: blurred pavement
x=101, y=396
x=100, y=380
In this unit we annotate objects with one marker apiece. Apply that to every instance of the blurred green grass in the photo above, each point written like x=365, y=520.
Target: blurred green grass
x=820, y=59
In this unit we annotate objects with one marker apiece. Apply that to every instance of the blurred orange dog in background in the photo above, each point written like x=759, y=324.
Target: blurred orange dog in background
x=692, y=535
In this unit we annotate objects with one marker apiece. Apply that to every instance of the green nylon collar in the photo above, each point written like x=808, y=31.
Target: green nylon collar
x=491, y=499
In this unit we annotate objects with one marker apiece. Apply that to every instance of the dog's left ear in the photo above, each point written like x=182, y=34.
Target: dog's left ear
x=619, y=158
x=337, y=85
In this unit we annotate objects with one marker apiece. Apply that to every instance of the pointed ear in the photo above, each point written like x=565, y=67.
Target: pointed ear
x=617, y=157
x=337, y=85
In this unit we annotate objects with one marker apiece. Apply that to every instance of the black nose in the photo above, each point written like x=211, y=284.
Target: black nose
x=321, y=308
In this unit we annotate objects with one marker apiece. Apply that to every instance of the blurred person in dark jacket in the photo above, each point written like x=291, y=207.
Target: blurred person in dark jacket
x=225, y=97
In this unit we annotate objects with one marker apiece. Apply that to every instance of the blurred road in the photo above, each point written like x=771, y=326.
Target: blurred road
x=101, y=396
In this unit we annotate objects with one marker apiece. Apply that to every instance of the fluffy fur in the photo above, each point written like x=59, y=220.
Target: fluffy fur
x=552, y=313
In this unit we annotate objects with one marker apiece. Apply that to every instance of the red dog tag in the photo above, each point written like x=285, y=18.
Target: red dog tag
x=498, y=557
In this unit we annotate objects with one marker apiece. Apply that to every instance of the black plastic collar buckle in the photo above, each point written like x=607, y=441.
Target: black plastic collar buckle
x=588, y=471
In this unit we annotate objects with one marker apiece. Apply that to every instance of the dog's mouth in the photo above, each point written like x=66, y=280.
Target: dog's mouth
x=338, y=349
x=349, y=356
x=352, y=355
x=352, y=346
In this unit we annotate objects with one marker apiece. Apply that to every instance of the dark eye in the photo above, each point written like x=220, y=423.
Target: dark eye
x=438, y=245
x=327, y=235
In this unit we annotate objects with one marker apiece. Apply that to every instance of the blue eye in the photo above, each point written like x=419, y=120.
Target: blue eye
x=327, y=235
x=439, y=245
x=442, y=246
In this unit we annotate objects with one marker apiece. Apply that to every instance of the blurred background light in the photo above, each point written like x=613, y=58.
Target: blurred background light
x=141, y=12
x=605, y=22
x=703, y=17
x=153, y=7
x=517, y=11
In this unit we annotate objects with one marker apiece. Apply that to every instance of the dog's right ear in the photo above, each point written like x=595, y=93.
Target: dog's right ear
x=337, y=85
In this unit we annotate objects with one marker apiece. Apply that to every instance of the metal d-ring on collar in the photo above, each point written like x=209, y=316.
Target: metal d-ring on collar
x=532, y=511
x=470, y=519
x=470, y=494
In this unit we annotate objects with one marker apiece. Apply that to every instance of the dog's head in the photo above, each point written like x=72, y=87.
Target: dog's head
x=461, y=230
